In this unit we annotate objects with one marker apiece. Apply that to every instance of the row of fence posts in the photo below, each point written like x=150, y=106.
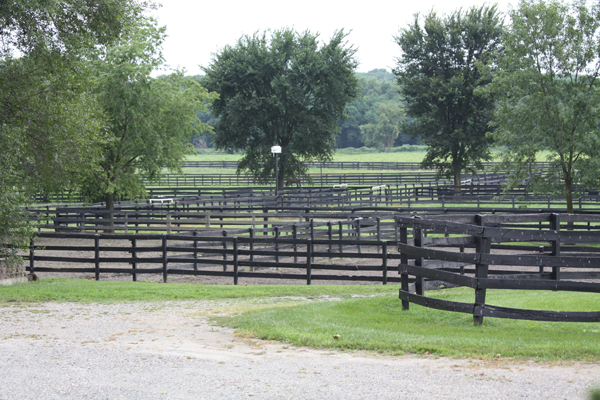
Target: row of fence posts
x=276, y=233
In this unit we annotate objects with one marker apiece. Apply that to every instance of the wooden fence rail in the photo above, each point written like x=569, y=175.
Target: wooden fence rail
x=566, y=263
x=397, y=166
x=215, y=210
x=281, y=256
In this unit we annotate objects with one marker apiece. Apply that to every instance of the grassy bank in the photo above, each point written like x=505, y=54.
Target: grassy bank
x=379, y=324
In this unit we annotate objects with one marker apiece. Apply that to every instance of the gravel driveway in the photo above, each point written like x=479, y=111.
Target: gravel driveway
x=170, y=351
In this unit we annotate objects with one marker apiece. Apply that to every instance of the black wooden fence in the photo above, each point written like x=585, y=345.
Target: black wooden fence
x=566, y=258
x=378, y=166
x=200, y=211
x=354, y=250
x=545, y=251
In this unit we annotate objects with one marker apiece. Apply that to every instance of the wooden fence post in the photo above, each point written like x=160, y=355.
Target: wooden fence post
x=341, y=234
x=308, y=261
x=82, y=222
x=295, y=237
x=384, y=262
x=404, y=260
x=329, y=235
x=265, y=219
x=358, y=236
x=195, y=234
x=164, y=257
x=235, y=260
x=555, y=244
x=224, y=248
x=97, y=256
x=251, y=235
x=276, y=229
x=31, y=256
x=134, y=258
x=419, y=281
x=482, y=246
x=312, y=234
x=378, y=221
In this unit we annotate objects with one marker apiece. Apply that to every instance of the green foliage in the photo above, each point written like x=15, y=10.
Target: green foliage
x=379, y=95
x=385, y=130
x=549, y=95
x=15, y=230
x=283, y=89
x=437, y=73
x=150, y=120
x=49, y=123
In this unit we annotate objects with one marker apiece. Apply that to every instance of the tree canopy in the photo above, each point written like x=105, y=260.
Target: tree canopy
x=49, y=122
x=549, y=95
x=438, y=74
x=149, y=120
x=281, y=88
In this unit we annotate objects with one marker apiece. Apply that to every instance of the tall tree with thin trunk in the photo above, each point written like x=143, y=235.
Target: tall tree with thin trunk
x=150, y=121
x=438, y=74
x=548, y=96
x=49, y=122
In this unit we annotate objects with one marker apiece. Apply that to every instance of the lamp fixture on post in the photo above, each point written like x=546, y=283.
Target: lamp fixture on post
x=276, y=150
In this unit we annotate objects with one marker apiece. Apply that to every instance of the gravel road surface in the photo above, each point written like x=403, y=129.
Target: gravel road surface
x=171, y=351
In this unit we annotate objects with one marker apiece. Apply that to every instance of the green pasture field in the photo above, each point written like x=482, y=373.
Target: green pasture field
x=414, y=154
x=408, y=156
x=356, y=317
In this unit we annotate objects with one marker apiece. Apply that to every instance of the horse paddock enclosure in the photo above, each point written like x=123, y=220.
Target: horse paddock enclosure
x=248, y=243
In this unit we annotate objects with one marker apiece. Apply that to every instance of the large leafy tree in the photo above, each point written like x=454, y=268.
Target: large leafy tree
x=150, y=121
x=549, y=96
x=438, y=75
x=281, y=88
x=48, y=121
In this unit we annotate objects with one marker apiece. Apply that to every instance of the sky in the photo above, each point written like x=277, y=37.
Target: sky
x=198, y=29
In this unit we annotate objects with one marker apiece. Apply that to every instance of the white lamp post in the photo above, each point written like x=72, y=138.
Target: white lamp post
x=276, y=150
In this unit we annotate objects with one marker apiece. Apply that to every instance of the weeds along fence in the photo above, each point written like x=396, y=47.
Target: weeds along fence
x=306, y=252
x=557, y=252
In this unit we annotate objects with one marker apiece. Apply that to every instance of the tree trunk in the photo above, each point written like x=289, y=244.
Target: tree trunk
x=109, y=224
x=281, y=172
x=569, y=192
x=457, y=181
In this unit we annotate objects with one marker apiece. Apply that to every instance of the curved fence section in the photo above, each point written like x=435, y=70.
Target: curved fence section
x=556, y=252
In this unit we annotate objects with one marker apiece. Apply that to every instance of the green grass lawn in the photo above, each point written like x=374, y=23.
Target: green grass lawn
x=358, y=317
x=408, y=156
x=379, y=324
x=416, y=154
x=90, y=291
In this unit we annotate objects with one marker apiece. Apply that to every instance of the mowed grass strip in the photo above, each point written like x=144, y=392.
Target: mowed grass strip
x=90, y=291
x=379, y=324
